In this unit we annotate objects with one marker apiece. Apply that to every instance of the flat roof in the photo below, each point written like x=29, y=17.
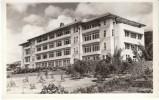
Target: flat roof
x=75, y=22
x=118, y=18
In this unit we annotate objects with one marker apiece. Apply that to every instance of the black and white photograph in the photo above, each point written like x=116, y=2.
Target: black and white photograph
x=79, y=48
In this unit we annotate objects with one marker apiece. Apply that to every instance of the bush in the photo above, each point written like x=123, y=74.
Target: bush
x=53, y=89
x=79, y=69
x=103, y=69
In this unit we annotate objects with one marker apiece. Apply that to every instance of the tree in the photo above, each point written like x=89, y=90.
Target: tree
x=146, y=53
x=81, y=67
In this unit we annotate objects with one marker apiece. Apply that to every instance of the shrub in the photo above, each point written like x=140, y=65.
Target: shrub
x=103, y=69
x=53, y=89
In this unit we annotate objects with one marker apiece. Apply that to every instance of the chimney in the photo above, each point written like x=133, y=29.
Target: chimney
x=61, y=24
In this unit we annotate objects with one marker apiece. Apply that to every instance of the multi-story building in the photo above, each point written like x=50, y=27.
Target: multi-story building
x=89, y=39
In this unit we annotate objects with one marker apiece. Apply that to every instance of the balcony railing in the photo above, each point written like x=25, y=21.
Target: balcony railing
x=91, y=41
x=54, y=58
x=54, y=39
x=91, y=53
x=91, y=29
x=52, y=49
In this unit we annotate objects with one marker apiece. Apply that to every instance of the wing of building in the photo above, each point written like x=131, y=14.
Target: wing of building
x=88, y=39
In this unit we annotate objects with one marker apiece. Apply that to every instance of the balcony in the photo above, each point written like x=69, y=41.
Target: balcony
x=91, y=29
x=54, y=58
x=26, y=63
x=54, y=39
x=91, y=41
x=27, y=55
x=52, y=49
x=91, y=53
x=27, y=47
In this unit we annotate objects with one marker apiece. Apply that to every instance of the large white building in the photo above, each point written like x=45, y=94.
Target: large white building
x=89, y=39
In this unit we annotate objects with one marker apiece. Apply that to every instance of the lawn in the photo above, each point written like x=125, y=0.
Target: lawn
x=113, y=84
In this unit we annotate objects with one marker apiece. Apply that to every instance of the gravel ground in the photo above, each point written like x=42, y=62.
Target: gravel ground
x=68, y=84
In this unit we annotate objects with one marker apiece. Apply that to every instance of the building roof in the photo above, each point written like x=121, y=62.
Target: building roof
x=24, y=43
x=108, y=15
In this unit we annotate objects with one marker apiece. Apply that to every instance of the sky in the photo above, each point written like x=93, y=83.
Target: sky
x=27, y=20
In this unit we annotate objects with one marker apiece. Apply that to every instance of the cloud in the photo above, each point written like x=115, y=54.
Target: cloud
x=52, y=11
x=21, y=7
x=33, y=19
x=141, y=12
x=30, y=31
x=54, y=23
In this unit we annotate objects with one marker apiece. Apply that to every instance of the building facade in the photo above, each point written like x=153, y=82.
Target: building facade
x=90, y=39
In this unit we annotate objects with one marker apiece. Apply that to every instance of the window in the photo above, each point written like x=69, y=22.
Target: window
x=39, y=40
x=95, y=47
x=44, y=38
x=104, y=46
x=88, y=37
x=59, y=34
x=27, y=59
x=58, y=43
x=68, y=61
x=51, y=36
x=67, y=41
x=126, y=34
x=39, y=48
x=76, y=39
x=104, y=33
x=51, y=54
x=67, y=32
x=64, y=62
x=87, y=48
x=133, y=35
x=58, y=53
x=76, y=50
x=132, y=47
x=51, y=63
x=33, y=58
x=67, y=52
x=51, y=45
x=75, y=29
x=44, y=56
x=127, y=46
x=104, y=22
x=60, y=63
x=112, y=32
x=27, y=51
x=44, y=47
x=38, y=57
x=139, y=36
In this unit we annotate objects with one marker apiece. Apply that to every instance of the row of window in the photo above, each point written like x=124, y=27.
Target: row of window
x=92, y=26
x=52, y=54
x=51, y=44
x=56, y=63
x=91, y=36
x=133, y=35
x=90, y=48
x=91, y=58
x=51, y=36
x=131, y=46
